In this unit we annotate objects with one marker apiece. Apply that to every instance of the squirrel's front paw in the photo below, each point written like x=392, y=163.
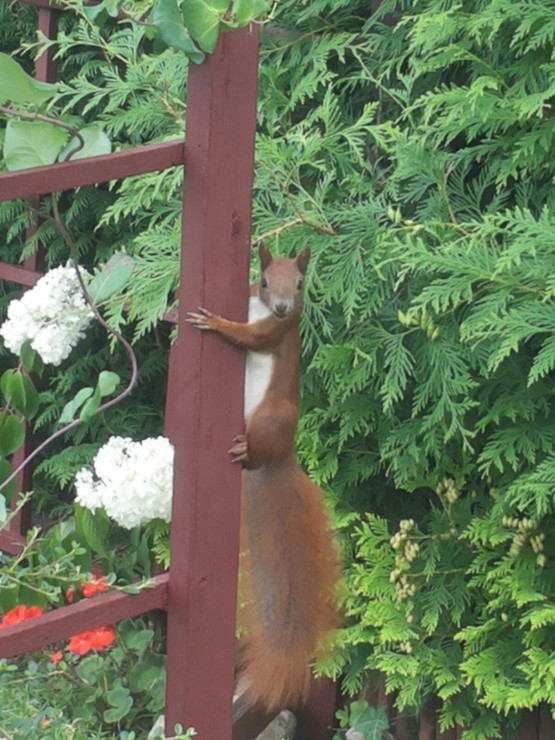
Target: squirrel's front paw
x=240, y=451
x=202, y=320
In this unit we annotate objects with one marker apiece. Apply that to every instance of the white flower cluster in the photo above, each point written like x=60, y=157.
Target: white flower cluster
x=52, y=315
x=135, y=481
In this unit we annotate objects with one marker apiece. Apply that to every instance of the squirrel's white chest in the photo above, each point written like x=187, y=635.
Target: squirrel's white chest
x=259, y=364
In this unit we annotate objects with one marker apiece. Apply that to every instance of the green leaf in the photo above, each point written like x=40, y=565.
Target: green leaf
x=167, y=19
x=91, y=405
x=121, y=701
x=138, y=640
x=32, y=399
x=17, y=87
x=99, y=13
x=114, y=276
x=30, y=597
x=96, y=143
x=13, y=388
x=30, y=358
x=9, y=491
x=32, y=144
x=93, y=527
x=371, y=723
x=245, y=11
x=146, y=672
x=9, y=595
x=202, y=18
x=107, y=382
x=90, y=669
x=71, y=408
x=131, y=590
x=3, y=509
x=12, y=433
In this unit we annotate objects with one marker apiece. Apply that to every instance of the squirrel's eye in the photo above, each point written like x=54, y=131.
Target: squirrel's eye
x=300, y=285
x=264, y=283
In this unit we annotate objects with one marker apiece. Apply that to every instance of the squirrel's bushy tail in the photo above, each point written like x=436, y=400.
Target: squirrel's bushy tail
x=290, y=583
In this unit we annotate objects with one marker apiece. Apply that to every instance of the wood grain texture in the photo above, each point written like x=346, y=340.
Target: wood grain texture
x=205, y=391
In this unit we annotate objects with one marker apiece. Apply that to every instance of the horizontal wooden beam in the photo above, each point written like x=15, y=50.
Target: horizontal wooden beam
x=42, y=4
x=68, y=175
x=63, y=623
x=20, y=275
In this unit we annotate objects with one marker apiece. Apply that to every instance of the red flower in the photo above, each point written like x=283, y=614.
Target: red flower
x=56, y=657
x=20, y=614
x=70, y=595
x=97, y=585
x=96, y=639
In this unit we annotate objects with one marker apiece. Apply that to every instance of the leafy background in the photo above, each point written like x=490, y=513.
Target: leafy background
x=412, y=148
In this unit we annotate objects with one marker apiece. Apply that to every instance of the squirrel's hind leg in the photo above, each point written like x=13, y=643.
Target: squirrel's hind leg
x=270, y=433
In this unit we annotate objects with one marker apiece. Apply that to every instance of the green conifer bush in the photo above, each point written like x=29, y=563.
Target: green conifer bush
x=413, y=148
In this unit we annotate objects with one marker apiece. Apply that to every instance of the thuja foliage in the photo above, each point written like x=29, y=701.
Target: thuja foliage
x=412, y=148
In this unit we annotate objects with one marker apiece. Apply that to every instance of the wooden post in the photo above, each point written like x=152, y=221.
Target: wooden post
x=13, y=538
x=206, y=387
x=317, y=716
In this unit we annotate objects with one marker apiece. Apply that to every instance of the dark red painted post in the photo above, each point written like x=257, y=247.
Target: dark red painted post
x=318, y=714
x=205, y=388
x=45, y=71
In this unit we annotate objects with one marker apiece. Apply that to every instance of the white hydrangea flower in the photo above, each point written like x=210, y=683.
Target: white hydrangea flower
x=52, y=315
x=134, y=481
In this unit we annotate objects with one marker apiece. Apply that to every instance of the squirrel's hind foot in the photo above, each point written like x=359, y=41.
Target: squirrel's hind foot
x=240, y=452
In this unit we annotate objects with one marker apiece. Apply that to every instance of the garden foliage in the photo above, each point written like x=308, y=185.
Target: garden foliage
x=412, y=147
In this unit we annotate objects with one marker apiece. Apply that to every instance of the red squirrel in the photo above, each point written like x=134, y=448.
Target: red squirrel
x=292, y=562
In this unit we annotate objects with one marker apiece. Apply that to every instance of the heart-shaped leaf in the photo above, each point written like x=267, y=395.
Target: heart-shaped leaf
x=246, y=11
x=96, y=143
x=121, y=702
x=12, y=433
x=114, y=276
x=17, y=87
x=107, y=383
x=202, y=18
x=171, y=30
x=32, y=144
x=93, y=527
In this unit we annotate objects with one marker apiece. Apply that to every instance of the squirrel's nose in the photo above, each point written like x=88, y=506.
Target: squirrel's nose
x=280, y=308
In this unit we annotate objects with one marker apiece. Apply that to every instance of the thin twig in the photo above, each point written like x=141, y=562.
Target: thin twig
x=134, y=368
x=277, y=230
x=317, y=227
x=47, y=119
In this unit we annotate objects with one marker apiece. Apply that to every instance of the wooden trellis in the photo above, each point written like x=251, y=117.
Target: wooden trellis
x=203, y=413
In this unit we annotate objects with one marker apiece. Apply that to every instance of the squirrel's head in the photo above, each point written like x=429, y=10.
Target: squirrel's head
x=282, y=282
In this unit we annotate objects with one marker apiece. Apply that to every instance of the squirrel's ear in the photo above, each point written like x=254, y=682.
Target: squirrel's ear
x=265, y=256
x=302, y=259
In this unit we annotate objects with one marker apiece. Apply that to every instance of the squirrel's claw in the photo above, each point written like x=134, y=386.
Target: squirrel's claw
x=205, y=312
x=199, y=320
x=239, y=452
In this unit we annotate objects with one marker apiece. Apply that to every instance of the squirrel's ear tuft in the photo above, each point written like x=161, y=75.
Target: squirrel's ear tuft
x=265, y=256
x=302, y=259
